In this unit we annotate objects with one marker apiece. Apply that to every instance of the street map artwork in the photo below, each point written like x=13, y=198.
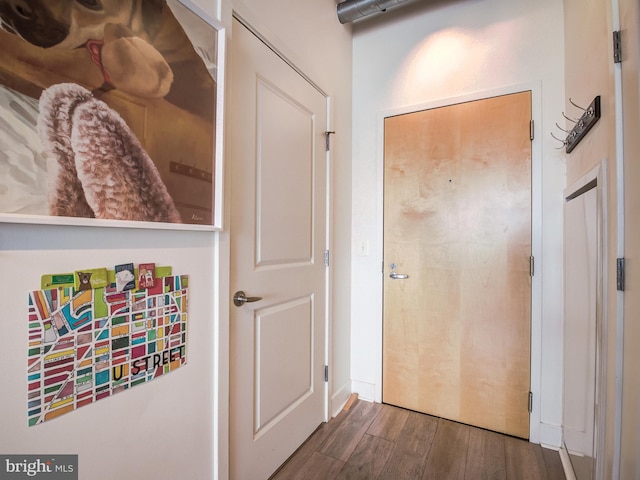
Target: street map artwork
x=88, y=344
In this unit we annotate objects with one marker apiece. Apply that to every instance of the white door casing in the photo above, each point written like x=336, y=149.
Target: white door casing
x=278, y=239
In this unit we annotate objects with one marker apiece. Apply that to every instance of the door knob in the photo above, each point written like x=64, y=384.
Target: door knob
x=239, y=298
x=398, y=276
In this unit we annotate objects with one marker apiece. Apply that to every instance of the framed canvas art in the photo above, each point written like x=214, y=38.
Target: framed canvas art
x=111, y=114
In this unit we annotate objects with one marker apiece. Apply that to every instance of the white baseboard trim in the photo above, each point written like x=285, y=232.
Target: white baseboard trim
x=339, y=399
x=366, y=391
x=550, y=435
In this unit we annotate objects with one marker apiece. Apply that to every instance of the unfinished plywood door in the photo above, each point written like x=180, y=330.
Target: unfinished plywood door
x=457, y=248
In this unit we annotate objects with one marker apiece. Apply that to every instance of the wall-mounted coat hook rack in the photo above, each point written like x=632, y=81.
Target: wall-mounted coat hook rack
x=588, y=119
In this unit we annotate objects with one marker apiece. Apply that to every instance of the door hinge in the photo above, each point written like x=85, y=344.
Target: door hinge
x=620, y=274
x=532, y=265
x=530, y=403
x=617, y=47
x=327, y=142
x=326, y=373
x=531, y=130
x=326, y=258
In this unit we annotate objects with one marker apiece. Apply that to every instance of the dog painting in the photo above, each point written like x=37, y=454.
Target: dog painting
x=116, y=34
x=125, y=104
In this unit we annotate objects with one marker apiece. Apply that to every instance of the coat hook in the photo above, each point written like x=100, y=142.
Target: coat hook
x=582, y=125
x=564, y=142
x=589, y=111
x=577, y=106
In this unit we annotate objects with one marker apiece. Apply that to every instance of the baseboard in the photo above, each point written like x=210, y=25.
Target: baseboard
x=339, y=399
x=366, y=391
x=566, y=464
x=550, y=435
x=353, y=398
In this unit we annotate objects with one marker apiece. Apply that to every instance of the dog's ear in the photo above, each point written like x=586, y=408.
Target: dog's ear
x=152, y=15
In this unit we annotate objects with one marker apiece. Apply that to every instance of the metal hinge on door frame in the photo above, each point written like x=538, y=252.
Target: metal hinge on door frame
x=326, y=373
x=530, y=402
x=532, y=265
x=326, y=258
x=617, y=47
x=327, y=141
x=620, y=274
x=531, y=130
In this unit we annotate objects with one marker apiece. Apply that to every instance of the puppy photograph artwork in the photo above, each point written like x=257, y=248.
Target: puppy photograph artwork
x=107, y=110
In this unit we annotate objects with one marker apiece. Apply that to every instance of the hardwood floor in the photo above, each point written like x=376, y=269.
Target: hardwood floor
x=374, y=441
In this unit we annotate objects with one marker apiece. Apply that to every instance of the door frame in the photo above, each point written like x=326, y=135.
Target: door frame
x=552, y=432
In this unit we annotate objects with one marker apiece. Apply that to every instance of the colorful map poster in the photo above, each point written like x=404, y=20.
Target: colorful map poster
x=88, y=345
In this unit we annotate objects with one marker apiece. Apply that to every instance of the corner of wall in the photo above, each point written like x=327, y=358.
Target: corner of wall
x=366, y=391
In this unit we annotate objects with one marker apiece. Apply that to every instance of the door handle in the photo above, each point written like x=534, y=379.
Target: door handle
x=239, y=299
x=398, y=276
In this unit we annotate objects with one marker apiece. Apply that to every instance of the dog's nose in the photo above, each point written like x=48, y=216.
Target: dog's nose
x=35, y=21
x=22, y=9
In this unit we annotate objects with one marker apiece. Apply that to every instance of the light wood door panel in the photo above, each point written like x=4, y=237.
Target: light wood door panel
x=278, y=238
x=457, y=221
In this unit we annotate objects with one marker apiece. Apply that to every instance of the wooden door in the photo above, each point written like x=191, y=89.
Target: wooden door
x=278, y=240
x=457, y=225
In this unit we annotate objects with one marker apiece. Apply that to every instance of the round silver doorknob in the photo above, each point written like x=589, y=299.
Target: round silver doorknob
x=239, y=299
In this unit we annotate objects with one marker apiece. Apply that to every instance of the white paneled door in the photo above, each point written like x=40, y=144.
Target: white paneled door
x=581, y=327
x=278, y=238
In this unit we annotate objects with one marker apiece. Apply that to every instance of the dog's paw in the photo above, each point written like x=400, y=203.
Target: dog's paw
x=56, y=106
x=119, y=179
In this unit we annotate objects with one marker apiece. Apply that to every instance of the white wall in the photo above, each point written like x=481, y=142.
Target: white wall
x=434, y=53
x=161, y=430
x=165, y=429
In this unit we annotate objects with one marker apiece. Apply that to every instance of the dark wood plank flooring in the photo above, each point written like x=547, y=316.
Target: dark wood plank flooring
x=371, y=441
